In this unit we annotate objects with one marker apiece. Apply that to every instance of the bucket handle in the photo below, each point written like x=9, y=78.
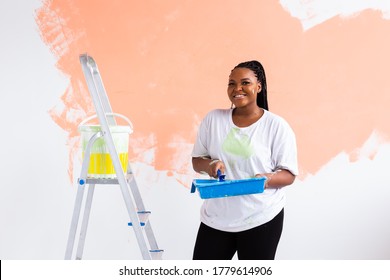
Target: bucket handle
x=110, y=114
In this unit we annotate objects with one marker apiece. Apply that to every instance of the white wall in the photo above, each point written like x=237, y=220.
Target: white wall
x=35, y=194
x=343, y=212
x=340, y=217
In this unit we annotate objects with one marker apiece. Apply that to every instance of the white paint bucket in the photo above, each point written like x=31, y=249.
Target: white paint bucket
x=100, y=162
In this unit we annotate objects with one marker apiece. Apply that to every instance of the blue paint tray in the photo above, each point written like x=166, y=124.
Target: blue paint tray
x=211, y=188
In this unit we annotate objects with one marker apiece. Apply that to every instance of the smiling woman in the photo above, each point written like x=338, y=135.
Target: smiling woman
x=243, y=89
x=156, y=58
x=244, y=141
x=253, y=80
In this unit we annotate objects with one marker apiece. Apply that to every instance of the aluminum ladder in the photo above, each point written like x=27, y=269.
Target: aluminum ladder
x=128, y=185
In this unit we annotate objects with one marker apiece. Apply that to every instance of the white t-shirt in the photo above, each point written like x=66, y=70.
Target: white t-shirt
x=263, y=147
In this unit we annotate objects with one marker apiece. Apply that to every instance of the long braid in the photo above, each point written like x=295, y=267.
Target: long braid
x=258, y=69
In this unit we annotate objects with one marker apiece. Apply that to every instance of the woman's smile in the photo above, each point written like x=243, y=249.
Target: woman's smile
x=239, y=96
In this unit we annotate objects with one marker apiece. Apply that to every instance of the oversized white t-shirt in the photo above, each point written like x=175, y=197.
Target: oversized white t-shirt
x=263, y=147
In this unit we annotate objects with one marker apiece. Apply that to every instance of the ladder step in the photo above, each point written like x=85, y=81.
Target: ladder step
x=143, y=218
x=156, y=254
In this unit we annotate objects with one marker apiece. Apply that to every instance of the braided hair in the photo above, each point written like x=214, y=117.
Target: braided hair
x=258, y=69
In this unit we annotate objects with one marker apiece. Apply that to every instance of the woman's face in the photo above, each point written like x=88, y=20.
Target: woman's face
x=243, y=87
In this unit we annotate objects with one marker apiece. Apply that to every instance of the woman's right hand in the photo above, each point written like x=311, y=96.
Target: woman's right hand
x=206, y=165
x=214, y=166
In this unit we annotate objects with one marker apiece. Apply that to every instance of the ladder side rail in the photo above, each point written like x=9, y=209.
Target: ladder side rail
x=123, y=184
x=74, y=222
x=84, y=224
x=79, y=197
x=150, y=235
x=134, y=188
x=91, y=70
x=140, y=205
x=117, y=166
x=103, y=97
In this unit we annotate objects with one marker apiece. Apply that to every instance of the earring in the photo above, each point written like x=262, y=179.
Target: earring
x=231, y=107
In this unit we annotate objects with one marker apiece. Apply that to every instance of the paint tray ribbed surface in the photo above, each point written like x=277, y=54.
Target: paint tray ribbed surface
x=211, y=188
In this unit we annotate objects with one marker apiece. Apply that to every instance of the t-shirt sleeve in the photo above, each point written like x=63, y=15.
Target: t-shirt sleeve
x=284, y=149
x=200, y=146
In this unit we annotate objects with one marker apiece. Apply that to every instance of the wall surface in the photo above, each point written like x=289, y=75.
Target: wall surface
x=164, y=65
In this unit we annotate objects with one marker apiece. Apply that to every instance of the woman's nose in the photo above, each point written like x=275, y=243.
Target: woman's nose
x=238, y=88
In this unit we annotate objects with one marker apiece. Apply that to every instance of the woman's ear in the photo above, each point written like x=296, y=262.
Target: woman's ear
x=259, y=87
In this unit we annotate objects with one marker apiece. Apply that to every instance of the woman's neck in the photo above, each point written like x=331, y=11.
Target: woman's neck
x=243, y=117
x=248, y=111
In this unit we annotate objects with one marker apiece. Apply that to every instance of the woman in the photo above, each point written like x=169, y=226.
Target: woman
x=242, y=142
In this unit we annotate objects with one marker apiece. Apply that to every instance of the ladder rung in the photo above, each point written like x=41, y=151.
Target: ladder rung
x=156, y=254
x=142, y=224
x=143, y=218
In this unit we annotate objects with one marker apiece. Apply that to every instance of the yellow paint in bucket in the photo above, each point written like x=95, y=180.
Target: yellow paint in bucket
x=100, y=162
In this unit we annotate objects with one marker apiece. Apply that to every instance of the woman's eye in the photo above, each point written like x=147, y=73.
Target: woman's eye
x=230, y=84
x=245, y=83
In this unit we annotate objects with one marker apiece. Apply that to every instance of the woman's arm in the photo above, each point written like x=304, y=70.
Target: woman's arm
x=278, y=179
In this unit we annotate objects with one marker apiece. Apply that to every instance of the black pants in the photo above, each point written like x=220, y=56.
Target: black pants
x=259, y=243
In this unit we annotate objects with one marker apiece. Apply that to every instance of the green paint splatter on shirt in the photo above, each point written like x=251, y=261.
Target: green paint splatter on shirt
x=238, y=144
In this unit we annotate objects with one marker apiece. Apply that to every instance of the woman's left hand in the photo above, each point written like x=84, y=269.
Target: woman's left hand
x=277, y=179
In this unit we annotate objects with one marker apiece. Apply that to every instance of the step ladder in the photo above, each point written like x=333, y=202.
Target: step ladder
x=128, y=185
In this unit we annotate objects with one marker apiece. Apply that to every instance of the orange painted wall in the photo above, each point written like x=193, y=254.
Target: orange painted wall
x=166, y=63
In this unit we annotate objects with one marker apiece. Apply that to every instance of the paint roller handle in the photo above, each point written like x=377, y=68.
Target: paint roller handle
x=221, y=177
x=109, y=114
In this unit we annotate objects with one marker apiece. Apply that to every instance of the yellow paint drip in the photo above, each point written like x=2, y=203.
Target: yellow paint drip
x=101, y=164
